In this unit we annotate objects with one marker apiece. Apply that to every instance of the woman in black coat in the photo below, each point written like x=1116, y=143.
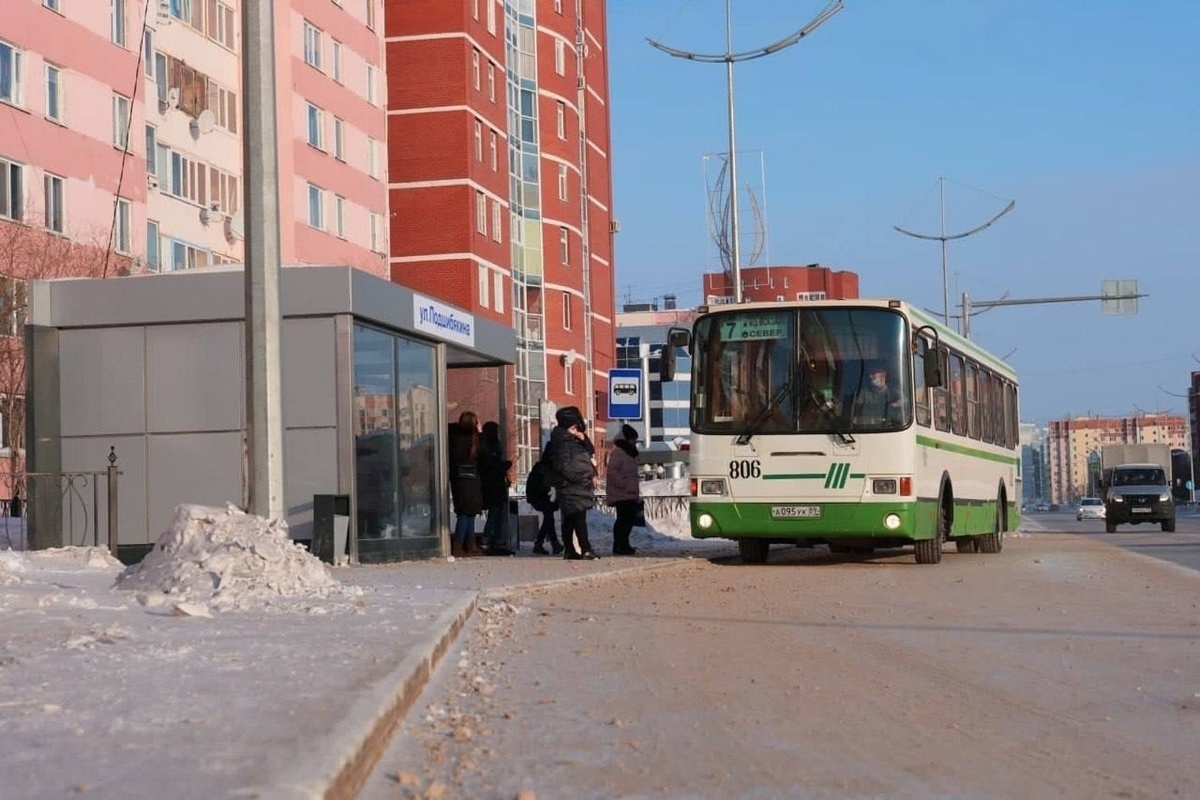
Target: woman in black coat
x=466, y=488
x=573, y=467
x=493, y=472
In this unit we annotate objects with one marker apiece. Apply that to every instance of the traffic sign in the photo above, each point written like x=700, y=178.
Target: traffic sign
x=624, y=393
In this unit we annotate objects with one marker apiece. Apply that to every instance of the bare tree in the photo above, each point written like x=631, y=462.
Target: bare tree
x=28, y=253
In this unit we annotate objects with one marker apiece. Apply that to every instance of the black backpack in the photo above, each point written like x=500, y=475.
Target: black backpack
x=537, y=486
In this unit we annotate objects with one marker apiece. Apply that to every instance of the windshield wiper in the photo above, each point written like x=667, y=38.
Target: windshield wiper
x=752, y=428
x=827, y=410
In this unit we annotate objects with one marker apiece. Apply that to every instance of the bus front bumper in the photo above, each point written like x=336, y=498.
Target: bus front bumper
x=815, y=522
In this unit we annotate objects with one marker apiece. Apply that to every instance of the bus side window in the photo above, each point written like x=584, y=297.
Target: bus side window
x=957, y=400
x=973, y=400
x=920, y=390
x=941, y=398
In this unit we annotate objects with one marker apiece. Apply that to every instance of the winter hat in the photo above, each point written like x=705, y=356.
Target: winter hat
x=629, y=433
x=570, y=415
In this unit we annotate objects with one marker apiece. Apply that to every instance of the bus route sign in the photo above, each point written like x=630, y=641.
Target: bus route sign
x=754, y=327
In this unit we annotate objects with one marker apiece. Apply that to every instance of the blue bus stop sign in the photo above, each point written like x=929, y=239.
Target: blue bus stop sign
x=624, y=393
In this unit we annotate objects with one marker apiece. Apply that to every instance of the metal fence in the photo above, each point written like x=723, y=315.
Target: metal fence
x=69, y=509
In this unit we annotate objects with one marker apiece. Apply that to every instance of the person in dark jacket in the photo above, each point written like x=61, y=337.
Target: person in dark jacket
x=573, y=468
x=493, y=473
x=623, y=488
x=537, y=492
x=466, y=489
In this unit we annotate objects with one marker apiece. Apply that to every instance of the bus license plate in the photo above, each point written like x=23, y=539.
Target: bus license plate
x=793, y=512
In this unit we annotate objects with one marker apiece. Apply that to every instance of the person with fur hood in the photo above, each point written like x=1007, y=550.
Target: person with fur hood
x=573, y=471
x=624, y=488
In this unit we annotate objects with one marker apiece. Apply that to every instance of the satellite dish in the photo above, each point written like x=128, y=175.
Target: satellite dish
x=206, y=121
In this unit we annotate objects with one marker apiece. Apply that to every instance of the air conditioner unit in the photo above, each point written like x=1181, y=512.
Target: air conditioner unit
x=206, y=215
x=152, y=182
x=614, y=226
x=173, y=97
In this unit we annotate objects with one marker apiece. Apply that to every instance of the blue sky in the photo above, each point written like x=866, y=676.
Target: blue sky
x=1085, y=112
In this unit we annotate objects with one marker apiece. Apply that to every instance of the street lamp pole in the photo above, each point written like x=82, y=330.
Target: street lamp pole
x=729, y=58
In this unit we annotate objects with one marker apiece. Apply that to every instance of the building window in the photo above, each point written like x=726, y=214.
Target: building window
x=120, y=122
x=335, y=66
x=312, y=46
x=560, y=57
x=562, y=182
x=339, y=142
x=124, y=232
x=316, y=127
x=481, y=212
x=371, y=84
x=475, y=9
x=376, y=233
x=484, y=286
x=558, y=7
x=187, y=256
x=54, y=203
x=564, y=245
x=561, y=119
x=492, y=82
x=339, y=216
x=495, y=156
x=153, y=247
x=566, y=298
x=479, y=141
x=496, y=220
x=118, y=22
x=148, y=53
x=10, y=74
x=372, y=158
x=498, y=290
x=53, y=93
x=13, y=305
x=371, y=14
x=12, y=191
x=316, y=207
x=50, y=4
x=475, y=74
x=569, y=377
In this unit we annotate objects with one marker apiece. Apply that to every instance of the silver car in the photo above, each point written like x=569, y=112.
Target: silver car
x=1090, y=508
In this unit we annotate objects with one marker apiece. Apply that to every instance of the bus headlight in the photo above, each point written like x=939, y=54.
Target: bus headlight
x=705, y=521
x=711, y=486
x=891, y=521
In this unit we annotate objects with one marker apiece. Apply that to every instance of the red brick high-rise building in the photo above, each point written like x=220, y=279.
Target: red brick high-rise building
x=500, y=185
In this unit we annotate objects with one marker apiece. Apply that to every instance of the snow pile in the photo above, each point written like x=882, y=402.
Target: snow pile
x=224, y=559
x=41, y=567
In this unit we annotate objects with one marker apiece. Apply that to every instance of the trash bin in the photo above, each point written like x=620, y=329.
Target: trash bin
x=331, y=527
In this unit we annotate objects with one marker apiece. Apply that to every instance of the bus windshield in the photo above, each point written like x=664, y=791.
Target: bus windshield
x=801, y=370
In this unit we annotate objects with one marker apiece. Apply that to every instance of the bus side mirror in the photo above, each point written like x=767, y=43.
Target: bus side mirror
x=676, y=337
x=934, y=374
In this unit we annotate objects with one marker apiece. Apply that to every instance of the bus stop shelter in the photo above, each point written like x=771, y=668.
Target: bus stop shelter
x=152, y=369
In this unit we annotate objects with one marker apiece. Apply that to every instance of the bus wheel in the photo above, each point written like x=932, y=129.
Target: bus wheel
x=753, y=551
x=994, y=542
x=967, y=544
x=929, y=551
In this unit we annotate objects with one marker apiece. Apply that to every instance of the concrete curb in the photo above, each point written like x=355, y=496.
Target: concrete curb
x=362, y=736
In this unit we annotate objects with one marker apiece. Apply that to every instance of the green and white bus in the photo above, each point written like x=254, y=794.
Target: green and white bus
x=792, y=441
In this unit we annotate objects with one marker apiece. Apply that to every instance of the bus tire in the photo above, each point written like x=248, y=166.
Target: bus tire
x=753, y=551
x=929, y=551
x=994, y=542
x=967, y=544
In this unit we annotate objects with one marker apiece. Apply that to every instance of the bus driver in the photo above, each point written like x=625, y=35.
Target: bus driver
x=879, y=402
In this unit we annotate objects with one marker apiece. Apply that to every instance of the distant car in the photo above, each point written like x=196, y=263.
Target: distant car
x=1090, y=508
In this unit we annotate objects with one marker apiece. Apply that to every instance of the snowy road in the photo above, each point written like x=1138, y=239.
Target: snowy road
x=1060, y=667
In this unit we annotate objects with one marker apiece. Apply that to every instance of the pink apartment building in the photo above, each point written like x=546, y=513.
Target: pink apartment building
x=120, y=130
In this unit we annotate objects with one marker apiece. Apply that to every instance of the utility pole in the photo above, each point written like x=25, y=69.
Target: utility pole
x=943, y=238
x=260, y=167
x=1108, y=298
x=729, y=58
